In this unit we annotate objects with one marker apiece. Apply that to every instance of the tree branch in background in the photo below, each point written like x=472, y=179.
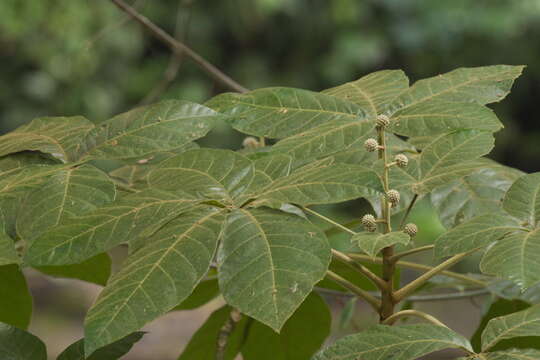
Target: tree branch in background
x=180, y=48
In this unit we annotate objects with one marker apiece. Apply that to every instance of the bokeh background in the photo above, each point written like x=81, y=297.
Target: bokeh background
x=85, y=57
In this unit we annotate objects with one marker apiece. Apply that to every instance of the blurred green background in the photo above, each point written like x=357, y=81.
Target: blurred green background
x=75, y=57
x=85, y=57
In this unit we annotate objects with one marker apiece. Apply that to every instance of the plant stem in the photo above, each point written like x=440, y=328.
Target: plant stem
x=404, y=313
x=415, y=266
x=422, y=279
x=178, y=47
x=330, y=221
x=398, y=256
x=388, y=270
x=377, y=281
x=408, y=211
x=370, y=299
x=225, y=333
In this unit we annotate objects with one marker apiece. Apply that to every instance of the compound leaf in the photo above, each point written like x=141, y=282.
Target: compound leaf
x=155, y=278
x=269, y=262
x=279, y=112
x=406, y=342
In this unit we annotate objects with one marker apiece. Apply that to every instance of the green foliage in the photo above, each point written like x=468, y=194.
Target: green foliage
x=17, y=344
x=202, y=222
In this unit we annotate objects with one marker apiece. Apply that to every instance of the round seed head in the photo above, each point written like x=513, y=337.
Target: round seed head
x=382, y=121
x=410, y=229
x=401, y=160
x=393, y=197
x=250, y=142
x=369, y=223
x=371, y=145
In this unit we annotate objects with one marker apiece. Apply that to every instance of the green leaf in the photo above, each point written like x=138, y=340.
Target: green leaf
x=522, y=323
x=59, y=136
x=279, y=112
x=16, y=300
x=447, y=158
x=324, y=183
x=203, y=343
x=441, y=117
x=274, y=165
x=206, y=291
x=514, y=354
x=81, y=237
x=17, y=344
x=477, y=232
x=95, y=270
x=205, y=173
x=302, y=335
x=269, y=262
x=326, y=139
x=373, y=91
x=155, y=278
x=165, y=126
x=523, y=199
x=8, y=254
x=113, y=351
x=483, y=85
x=498, y=308
x=67, y=193
x=476, y=194
x=406, y=342
x=372, y=243
x=516, y=257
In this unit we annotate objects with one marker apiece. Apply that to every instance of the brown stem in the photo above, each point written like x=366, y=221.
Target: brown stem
x=225, y=333
x=404, y=313
x=398, y=256
x=408, y=211
x=179, y=47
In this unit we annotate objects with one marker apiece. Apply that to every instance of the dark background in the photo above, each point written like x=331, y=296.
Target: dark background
x=85, y=57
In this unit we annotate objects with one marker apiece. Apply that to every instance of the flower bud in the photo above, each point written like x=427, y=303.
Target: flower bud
x=393, y=197
x=401, y=160
x=250, y=143
x=371, y=145
x=410, y=229
x=369, y=223
x=382, y=121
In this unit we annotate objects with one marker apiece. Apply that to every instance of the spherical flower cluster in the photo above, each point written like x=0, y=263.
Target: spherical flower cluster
x=393, y=197
x=369, y=223
x=401, y=160
x=371, y=145
x=410, y=229
x=250, y=143
x=382, y=121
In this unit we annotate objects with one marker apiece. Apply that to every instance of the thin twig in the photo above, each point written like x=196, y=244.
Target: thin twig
x=421, y=267
x=402, y=293
x=179, y=47
x=398, y=256
x=408, y=211
x=370, y=299
x=404, y=313
x=330, y=221
x=225, y=333
x=377, y=281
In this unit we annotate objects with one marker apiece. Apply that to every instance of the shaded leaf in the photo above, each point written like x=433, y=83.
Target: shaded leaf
x=483, y=85
x=206, y=291
x=113, y=351
x=165, y=126
x=441, y=117
x=268, y=263
x=514, y=354
x=406, y=342
x=372, y=243
x=95, y=270
x=205, y=173
x=373, y=91
x=323, y=184
x=479, y=193
x=17, y=344
x=477, y=232
x=8, y=254
x=81, y=237
x=302, y=335
x=155, y=278
x=59, y=136
x=523, y=199
x=279, y=112
x=16, y=300
x=522, y=323
x=66, y=193
x=203, y=343
x=516, y=257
